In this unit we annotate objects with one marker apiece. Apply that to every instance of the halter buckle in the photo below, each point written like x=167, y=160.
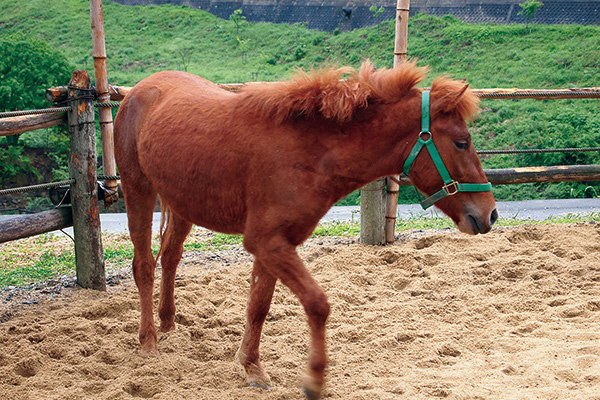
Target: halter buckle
x=451, y=188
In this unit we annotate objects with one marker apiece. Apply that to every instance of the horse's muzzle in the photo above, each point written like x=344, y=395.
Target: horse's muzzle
x=481, y=225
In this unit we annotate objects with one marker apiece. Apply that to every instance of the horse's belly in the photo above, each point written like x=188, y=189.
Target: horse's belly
x=204, y=207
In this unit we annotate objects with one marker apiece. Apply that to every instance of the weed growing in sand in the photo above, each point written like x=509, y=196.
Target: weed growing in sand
x=47, y=265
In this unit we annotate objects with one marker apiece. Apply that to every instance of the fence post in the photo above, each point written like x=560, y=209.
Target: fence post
x=104, y=113
x=372, y=213
x=400, y=50
x=89, y=257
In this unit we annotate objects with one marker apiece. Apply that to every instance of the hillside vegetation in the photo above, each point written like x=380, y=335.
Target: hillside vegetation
x=141, y=40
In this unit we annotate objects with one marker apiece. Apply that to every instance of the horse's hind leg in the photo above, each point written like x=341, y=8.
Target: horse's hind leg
x=262, y=286
x=172, y=249
x=140, y=200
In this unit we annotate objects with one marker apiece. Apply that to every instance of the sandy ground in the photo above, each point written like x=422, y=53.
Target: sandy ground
x=514, y=314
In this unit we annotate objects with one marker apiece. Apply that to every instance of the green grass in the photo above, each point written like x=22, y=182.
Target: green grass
x=216, y=242
x=49, y=257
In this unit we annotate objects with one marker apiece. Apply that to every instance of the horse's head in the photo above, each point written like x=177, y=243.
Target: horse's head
x=443, y=163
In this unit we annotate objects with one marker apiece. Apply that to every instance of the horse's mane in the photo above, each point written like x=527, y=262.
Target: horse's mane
x=445, y=91
x=325, y=93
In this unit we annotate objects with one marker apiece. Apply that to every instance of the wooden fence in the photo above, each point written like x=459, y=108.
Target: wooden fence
x=83, y=214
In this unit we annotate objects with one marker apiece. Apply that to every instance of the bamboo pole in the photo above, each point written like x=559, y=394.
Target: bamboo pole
x=400, y=51
x=104, y=113
x=401, y=42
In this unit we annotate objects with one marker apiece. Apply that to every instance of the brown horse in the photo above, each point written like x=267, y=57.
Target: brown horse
x=268, y=163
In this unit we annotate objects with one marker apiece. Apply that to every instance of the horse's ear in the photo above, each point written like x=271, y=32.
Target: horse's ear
x=451, y=105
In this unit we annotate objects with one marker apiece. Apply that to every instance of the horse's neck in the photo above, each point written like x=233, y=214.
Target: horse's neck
x=376, y=146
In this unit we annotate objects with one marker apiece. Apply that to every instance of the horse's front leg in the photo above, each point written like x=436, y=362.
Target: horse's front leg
x=262, y=285
x=281, y=260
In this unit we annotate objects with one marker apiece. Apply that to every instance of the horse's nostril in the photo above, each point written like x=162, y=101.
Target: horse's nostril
x=494, y=217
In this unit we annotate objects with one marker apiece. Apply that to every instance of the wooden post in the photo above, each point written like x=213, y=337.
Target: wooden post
x=372, y=211
x=89, y=258
x=104, y=113
x=400, y=50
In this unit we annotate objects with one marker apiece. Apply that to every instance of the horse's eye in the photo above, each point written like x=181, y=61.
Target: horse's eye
x=462, y=144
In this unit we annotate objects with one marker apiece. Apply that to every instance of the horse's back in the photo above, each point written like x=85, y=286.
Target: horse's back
x=163, y=88
x=159, y=105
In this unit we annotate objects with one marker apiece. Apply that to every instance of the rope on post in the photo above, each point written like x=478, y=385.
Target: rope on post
x=108, y=104
x=108, y=177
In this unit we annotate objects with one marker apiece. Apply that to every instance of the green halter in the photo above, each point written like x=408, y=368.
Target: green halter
x=450, y=187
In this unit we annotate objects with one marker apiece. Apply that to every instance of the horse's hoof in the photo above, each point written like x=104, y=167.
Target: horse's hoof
x=149, y=353
x=311, y=394
x=260, y=385
x=258, y=378
x=149, y=350
x=312, y=390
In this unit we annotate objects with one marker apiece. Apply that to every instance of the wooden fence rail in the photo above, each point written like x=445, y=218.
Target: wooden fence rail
x=35, y=224
x=25, y=123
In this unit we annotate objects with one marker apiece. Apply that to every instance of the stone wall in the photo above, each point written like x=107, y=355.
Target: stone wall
x=347, y=15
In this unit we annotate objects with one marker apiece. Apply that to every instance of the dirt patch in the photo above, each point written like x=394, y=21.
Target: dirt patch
x=514, y=314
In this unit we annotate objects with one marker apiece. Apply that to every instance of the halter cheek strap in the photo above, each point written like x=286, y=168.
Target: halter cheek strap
x=451, y=186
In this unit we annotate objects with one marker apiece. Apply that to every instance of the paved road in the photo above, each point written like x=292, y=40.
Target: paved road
x=528, y=209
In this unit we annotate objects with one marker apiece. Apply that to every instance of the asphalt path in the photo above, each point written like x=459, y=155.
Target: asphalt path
x=525, y=210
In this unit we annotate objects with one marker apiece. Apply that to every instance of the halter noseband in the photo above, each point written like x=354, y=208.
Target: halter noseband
x=451, y=186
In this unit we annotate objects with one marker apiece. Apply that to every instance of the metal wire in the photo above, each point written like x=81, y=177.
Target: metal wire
x=51, y=185
x=521, y=151
x=36, y=187
x=539, y=94
x=34, y=112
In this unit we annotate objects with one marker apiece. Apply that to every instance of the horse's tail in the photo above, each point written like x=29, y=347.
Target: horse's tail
x=164, y=221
